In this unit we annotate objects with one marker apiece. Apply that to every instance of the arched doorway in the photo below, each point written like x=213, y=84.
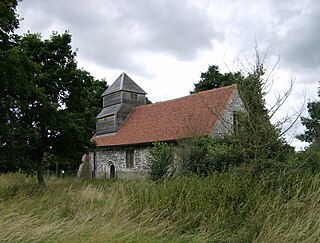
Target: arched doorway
x=112, y=171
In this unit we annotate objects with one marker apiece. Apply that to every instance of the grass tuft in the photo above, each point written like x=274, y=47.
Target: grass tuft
x=221, y=207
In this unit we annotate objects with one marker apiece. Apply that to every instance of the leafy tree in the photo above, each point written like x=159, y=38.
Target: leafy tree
x=309, y=159
x=8, y=23
x=16, y=75
x=59, y=115
x=48, y=104
x=260, y=142
x=312, y=134
x=213, y=79
x=16, y=71
x=312, y=124
x=159, y=160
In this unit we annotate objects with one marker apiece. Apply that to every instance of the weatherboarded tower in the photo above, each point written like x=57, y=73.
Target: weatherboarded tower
x=118, y=101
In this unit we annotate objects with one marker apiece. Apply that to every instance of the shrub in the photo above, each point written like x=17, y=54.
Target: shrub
x=309, y=159
x=159, y=160
x=202, y=155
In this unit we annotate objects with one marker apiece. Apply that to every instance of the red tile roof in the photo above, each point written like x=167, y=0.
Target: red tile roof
x=196, y=114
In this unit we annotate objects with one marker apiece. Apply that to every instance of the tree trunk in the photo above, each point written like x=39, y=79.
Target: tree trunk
x=40, y=173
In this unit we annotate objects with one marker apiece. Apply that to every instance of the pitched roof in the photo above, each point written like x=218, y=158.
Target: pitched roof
x=110, y=110
x=124, y=82
x=196, y=114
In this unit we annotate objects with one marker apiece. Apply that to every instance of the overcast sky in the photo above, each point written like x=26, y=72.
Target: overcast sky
x=164, y=45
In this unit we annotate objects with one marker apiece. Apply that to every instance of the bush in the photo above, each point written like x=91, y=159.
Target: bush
x=159, y=160
x=202, y=155
x=309, y=159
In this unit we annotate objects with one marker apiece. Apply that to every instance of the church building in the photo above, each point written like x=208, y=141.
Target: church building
x=126, y=126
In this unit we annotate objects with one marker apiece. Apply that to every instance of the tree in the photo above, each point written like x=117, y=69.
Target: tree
x=312, y=134
x=8, y=23
x=312, y=124
x=49, y=104
x=16, y=74
x=260, y=142
x=59, y=115
x=213, y=79
x=16, y=71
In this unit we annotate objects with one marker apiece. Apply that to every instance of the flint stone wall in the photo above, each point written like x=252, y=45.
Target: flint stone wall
x=225, y=125
x=103, y=158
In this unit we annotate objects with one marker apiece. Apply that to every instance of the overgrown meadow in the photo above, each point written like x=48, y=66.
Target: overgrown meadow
x=230, y=207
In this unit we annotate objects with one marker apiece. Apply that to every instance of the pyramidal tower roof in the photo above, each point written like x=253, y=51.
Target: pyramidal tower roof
x=125, y=83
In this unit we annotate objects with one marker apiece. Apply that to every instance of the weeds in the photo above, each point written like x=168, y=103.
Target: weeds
x=221, y=207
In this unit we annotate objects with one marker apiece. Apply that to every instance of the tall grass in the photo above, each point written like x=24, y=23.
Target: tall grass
x=220, y=207
x=235, y=207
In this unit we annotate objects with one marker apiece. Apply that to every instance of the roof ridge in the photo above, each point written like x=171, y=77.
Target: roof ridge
x=121, y=80
x=190, y=95
x=215, y=89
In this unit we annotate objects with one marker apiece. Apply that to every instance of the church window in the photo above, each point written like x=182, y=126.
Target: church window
x=235, y=121
x=130, y=158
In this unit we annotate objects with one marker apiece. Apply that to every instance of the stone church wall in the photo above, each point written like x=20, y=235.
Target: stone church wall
x=101, y=161
x=226, y=123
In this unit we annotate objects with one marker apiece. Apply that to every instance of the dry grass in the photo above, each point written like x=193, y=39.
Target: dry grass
x=72, y=210
x=222, y=207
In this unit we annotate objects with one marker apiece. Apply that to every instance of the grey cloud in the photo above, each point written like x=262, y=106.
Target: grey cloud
x=288, y=27
x=113, y=32
x=304, y=51
x=296, y=33
x=172, y=26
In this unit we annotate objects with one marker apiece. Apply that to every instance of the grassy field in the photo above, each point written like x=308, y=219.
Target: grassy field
x=222, y=207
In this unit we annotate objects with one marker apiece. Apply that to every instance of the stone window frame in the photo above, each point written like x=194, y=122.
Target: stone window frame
x=130, y=158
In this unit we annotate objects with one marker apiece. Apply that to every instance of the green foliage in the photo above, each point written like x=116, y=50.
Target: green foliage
x=59, y=115
x=16, y=73
x=311, y=156
x=309, y=159
x=159, y=160
x=213, y=79
x=148, y=102
x=8, y=23
x=223, y=155
x=202, y=155
x=257, y=140
x=312, y=123
x=14, y=66
x=48, y=105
